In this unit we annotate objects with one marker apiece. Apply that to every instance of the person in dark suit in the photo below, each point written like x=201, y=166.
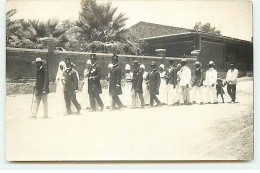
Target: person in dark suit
x=137, y=85
x=94, y=86
x=41, y=88
x=71, y=86
x=115, y=84
x=171, y=82
x=198, y=83
x=154, y=81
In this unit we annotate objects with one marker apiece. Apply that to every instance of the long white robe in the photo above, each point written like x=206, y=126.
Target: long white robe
x=60, y=103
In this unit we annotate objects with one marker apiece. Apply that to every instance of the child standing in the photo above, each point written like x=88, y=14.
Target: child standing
x=219, y=87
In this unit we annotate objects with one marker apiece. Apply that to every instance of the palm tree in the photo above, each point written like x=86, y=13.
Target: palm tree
x=98, y=24
x=12, y=29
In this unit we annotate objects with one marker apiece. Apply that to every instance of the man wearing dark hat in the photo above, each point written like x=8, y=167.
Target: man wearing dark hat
x=115, y=84
x=171, y=82
x=231, y=80
x=154, y=81
x=70, y=87
x=137, y=86
x=41, y=88
x=94, y=86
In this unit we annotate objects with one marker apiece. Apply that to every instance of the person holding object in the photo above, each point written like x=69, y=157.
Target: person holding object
x=71, y=87
x=127, y=99
x=137, y=87
x=198, y=83
x=115, y=84
x=94, y=86
x=210, y=83
x=41, y=88
x=154, y=82
x=231, y=80
x=171, y=82
x=185, y=79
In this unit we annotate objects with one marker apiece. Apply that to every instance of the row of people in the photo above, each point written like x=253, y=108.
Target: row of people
x=173, y=85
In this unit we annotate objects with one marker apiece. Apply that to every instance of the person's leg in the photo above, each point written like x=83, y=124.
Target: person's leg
x=99, y=101
x=151, y=100
x=195, y=88
x=157, y=100
x=222, y=98
x=183, y=94
x=201, y=98
x=67, y=101
x=75, y=102
x=113, y=101
x=208, y=93
x=141, y=97
x=45, y=105
x=133, y=99
x=229, y=88
x=92, y=102
x=234, y=88
x=118, y=101
x=36, y=105
x=188, y=95
x=214, y=94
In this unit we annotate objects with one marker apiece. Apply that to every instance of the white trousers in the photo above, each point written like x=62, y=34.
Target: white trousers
x=172, y=96
x=211, y=93
x=197, y=89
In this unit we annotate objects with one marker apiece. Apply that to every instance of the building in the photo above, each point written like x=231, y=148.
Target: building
x=180, y=42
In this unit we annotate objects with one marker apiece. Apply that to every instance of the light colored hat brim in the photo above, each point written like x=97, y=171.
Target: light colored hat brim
x=42, y=61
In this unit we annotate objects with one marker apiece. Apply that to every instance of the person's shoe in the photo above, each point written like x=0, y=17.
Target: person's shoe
x=232, y=102
x=201, y=103
x=45, y=117
x=69, y=112
x=223, y=102
x=93, y=110
x=182, y=104
x=194, y=102
x=102, y=108
x=189, y=103
x=33, y=117
x=209, y=102
x=215, y=103
x=142, y=107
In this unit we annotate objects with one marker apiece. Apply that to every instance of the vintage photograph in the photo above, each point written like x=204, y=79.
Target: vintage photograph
x=129, y=80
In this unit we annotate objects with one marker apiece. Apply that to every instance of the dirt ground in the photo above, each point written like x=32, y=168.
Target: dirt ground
x=198, y=132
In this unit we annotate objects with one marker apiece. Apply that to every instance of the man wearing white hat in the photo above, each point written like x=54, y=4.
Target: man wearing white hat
x=210, y=83
x=127, y=97
x=41, y=88
x=198, y=83
x=185, y=79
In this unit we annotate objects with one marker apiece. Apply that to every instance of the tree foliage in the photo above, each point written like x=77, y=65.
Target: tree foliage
x=206, y=28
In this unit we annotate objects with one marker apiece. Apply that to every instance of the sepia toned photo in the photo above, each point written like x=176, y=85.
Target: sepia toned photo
x=121, y=80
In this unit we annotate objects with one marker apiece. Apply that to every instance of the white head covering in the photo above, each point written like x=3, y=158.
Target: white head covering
x=110, y=65
x=88, y=62
x=162, y=66
x=127, y=67
x=142, y=66
x=60, y=72
x=211, y=63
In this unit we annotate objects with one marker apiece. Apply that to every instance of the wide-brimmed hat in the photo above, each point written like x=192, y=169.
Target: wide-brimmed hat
x=211, y=63
x=38, y=59
x=88, y=62
x=197, y=63
x=136, y=62
x=153, y=63
x=184, y=60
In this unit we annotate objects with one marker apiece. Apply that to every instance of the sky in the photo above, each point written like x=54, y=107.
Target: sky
x=232, y=17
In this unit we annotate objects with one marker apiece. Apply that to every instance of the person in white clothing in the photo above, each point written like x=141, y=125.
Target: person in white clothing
x=146, y=90
x=231, y=81
x=84, y=91
x=210, y=83
x=185, y=79
x=163, y=90
x=198, y=83
x=127, y=99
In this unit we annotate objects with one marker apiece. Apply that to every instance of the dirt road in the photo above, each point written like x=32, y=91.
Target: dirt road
x=197, y=132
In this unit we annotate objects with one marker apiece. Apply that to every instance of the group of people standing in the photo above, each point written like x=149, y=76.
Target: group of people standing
x=171, y=86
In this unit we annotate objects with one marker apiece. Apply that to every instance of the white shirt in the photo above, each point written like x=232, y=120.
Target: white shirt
x=185, y=76
x=211, y=76
x=232, y=76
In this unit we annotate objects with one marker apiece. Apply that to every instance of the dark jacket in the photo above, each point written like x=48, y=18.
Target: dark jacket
x=115, y=79
x=94, y=77
x=42, y=82
x=71, y=81
x=171, y=76
x=198, y=77
x=154, y=82
x=138, y=81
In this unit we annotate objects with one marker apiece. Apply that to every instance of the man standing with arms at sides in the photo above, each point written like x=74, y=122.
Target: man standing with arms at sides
x=137, y=87
x=154, y=81
x=41, y=88
x=171, y=82
x=210, y=83
x=198, y=83
x=115, y=84
x=185, y=79
x=94, y=86
x=71, y=86
x=231, y=80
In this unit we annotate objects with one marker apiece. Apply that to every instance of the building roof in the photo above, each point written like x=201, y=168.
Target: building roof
x=145, y=29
